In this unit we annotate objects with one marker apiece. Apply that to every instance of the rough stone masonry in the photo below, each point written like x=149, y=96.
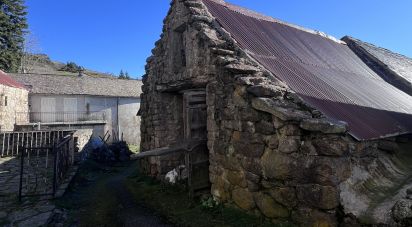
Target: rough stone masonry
x=270, y=153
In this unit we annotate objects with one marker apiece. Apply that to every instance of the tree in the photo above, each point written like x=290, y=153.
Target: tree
x=72, y=67
x=126, y=76
x=31, y=54
x=121, y=75
x=13, y=25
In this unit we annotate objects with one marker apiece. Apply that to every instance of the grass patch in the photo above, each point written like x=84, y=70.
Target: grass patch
x=173, y=203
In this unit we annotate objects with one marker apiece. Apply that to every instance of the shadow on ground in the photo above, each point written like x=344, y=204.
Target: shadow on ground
x=98, y=197
x=118, y=195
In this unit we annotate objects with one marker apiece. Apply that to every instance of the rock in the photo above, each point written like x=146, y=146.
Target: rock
x=285, y=196
x=365, y=148
x=327, y=171
x=241, y=69
x=225, y=60
x=219, y=191
x=249, y=149
x=387, y=145
x=272, y=141
x=251, y=80
x=269, y=184
x=323, y=125
x=265, y=128
x=285, y=114
x=248, y=126
x=289, y=144
x=196, y=18
x=212, y=36
x=307, y=148
x=237, y=178
x=314, y=218
x=290, y=130
x=265, y=90
x=277, y=123
x=252, y=186
x=330, y=146
x=276, y=165
x=248, y=144
x=223, y=52
x=249, y=114
x=409, y=191
x=252, y=177
x=323, y=197
x=402, y=210
x=238, y=97
x=243, y=199
x=194, y=4
x=252, y=165
x=197, y=11
x=269, y=207
x=229, y=162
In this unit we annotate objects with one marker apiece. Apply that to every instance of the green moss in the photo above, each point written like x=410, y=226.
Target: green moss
x=134, y=148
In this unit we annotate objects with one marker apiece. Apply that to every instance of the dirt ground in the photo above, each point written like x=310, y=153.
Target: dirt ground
x=98, y=196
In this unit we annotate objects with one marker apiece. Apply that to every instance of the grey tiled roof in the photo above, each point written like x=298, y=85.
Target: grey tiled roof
x=394, y=67
x=74, y=85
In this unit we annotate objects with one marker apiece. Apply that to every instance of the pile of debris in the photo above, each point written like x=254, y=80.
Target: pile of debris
x=118, y=151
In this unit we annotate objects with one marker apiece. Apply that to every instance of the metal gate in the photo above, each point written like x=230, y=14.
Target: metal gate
x=42, y=169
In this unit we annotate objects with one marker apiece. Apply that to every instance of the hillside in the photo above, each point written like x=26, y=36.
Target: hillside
x=42, y=64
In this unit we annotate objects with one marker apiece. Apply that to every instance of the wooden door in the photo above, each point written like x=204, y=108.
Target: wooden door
x=70, y=110
x=195, y=115
x=195, y=132
x=48, y=110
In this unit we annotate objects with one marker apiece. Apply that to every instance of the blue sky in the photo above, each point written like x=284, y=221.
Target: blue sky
x=110, y=35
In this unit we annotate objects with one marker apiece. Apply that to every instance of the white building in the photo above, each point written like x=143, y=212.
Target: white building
x=108, y=105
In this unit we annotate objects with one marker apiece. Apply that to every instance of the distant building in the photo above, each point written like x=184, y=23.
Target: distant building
x=107, y=105
x=13, y=99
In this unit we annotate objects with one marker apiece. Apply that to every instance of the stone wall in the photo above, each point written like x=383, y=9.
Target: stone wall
x=270, y=153
x=17, y=102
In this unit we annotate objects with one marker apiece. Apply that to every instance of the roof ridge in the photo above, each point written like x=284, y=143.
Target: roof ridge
x=260, y=16
x=375, y=46
x=73, y=76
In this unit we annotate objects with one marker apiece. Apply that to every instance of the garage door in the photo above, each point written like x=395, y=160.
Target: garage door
x=48, y=110
x=70, y=110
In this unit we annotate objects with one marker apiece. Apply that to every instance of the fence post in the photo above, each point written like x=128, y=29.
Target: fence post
x=21, y=173
x=56, y=153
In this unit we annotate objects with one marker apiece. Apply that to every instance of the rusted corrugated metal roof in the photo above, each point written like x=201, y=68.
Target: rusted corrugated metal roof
x=8, y=81
x=322, y=70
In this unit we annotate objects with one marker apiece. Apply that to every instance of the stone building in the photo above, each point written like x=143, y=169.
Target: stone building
x=106, y=105
x=298, y=128
x=13, y=99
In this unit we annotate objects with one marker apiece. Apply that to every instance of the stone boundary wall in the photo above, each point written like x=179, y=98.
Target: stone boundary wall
x=270, y=153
